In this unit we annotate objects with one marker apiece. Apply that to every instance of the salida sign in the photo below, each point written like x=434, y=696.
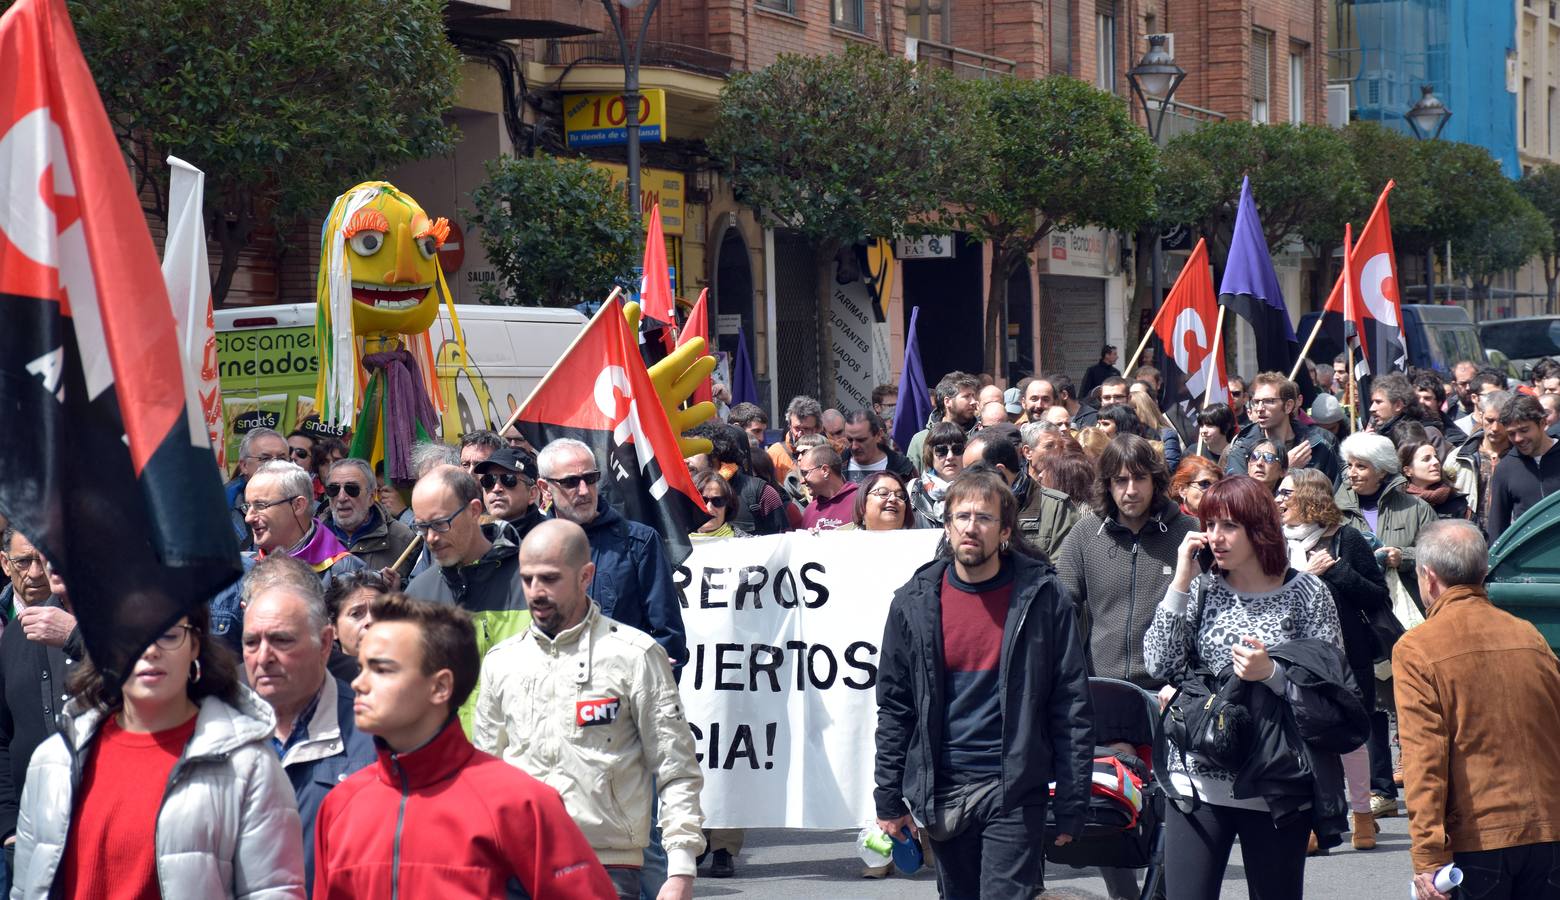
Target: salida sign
x=783, y=637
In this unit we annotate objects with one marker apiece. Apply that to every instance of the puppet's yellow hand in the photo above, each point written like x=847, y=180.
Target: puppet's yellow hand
x=675, y=378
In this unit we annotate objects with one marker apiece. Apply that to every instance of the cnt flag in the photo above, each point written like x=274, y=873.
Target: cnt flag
x=698, y=325
x=187, y=273
x=1250, y=289
x=88, y=363
x=600, y=393
x=1186, y=325
x=1369, y=303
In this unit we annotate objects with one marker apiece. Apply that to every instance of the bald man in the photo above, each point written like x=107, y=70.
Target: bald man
x=589, y=707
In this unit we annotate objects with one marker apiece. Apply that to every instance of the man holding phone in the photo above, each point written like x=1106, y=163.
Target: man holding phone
x=1274, y=400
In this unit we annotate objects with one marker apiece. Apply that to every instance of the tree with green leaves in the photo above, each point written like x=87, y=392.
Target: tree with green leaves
x=1303, y=176
x=1468, y=193
x=557, y=231
x=839, y=148
x=1541, y=187
x=1515, y=232
x=1041, y=155
x=281, y=104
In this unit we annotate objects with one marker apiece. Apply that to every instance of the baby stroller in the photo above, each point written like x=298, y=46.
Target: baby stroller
x=1123, y=826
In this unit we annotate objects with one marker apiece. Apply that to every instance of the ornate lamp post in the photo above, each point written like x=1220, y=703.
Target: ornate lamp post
x=1155, y=77
x=1427, y=118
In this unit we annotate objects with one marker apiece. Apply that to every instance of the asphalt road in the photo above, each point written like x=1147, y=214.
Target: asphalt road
x=792, y=865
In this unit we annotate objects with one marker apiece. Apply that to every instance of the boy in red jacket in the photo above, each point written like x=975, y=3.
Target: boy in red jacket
x=465, y=824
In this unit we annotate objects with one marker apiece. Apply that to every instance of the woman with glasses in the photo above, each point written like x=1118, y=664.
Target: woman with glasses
x=1192, y=478
x=942, y=458
x=168, y=787
x=1374, y=499
x=1321, y=543
x=719, y=497
x=1268, y=463
x=883, y=504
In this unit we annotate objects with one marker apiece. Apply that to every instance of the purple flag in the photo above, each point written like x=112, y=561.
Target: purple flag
x=915, y=402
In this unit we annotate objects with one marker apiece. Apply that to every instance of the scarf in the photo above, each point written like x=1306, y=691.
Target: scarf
x=1434, y=496
x=933, y=487
x=320, y=548
x=1301, y=538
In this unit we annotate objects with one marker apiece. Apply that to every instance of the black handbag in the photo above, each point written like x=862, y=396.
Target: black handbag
x=1207, y=716
x=1382, y=624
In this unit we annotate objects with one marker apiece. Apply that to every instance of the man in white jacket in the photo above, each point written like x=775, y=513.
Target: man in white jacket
x=578, y=692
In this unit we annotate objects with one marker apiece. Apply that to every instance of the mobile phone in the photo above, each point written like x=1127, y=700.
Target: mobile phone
x=1205, y=559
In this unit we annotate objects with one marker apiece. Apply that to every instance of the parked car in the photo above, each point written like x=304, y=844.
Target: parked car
x=1524, y=340
x=1438, y=336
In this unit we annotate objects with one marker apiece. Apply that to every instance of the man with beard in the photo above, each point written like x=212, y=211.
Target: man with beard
x=355, y=517
x=958, y=396
x=976, y=733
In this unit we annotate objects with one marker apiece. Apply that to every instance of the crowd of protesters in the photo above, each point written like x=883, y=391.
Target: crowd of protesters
x=466, y=685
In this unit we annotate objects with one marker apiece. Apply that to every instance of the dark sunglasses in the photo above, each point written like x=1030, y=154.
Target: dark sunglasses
x=572, y=482
x=300, y=452
x=494, y=479
x=1265, y=456
x=946, y=449
x=352, y=488
x=715, y=502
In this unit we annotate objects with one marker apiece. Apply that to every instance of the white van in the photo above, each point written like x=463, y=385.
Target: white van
x=268, y=363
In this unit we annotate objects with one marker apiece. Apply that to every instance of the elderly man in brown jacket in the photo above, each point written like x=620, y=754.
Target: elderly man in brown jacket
x=1478, y=701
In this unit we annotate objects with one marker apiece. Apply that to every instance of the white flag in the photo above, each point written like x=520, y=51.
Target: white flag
x=187, y=272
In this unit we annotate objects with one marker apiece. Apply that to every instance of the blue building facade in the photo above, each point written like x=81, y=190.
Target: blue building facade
x=1387, y=49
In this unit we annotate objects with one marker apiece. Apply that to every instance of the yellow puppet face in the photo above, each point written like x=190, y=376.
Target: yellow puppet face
x=392, y=251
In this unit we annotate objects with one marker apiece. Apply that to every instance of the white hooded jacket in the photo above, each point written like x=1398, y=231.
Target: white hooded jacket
x=228, y=826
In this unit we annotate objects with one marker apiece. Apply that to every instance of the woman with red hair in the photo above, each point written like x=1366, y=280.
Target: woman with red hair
x=1194, y=476
x=1226, y=617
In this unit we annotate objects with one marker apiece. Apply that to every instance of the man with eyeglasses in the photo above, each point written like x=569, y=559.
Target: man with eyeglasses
x=983, y=702
x=476, y=566
x=633, y=580
x=507, y=479
x=38, y=653
x=834, y=498
x=277, y=502
x=1274, y=400
x=867, y=449
x=259, y=446
x=357, y=519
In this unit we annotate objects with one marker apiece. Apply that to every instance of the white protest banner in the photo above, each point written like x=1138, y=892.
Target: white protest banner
x=780, y=687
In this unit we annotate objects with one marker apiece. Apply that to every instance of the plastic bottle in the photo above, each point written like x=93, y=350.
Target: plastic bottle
x=1447, y=878
x=908, y=858
x=874, y=847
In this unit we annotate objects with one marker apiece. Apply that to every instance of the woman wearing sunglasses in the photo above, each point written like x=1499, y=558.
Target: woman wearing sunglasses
x=719, y=497
x=1268, y=464
x=942, y=458
x=168, y=787
x=1193, y=477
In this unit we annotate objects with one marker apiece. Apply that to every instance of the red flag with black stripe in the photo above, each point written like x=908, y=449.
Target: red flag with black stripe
x=698, y=326
x=99, y=467
x=600, y=393
x=1374, y=319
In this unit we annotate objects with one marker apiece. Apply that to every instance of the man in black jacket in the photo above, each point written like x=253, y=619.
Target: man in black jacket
x=867, y=450
x=1529, y=472
x=1097, y=373
x=983, y=700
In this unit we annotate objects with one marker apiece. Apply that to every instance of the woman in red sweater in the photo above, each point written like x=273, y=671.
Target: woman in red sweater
x=169, y=789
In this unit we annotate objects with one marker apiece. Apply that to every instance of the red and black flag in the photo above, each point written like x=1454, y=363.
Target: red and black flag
x=1187, y=325
x=600, y=393
x=99, y=467
x=1365, y=299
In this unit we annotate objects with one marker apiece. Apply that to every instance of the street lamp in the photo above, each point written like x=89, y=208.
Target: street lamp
x=631, y=91
x=1427, y=118
x=1155, y=77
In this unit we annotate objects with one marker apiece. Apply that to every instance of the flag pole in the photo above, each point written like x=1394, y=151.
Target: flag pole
x=1144, y=343
x=515, y=416
x=1306, y=350
x=1218, y=347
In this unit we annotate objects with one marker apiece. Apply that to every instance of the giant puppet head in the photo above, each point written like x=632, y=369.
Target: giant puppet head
x=379, y=290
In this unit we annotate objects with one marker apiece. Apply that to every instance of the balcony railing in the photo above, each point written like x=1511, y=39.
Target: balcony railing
x=1181, y=118
x=962, y=63
x=663, y=54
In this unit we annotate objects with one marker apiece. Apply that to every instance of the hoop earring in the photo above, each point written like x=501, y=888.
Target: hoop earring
x=194, y=671
x=1004, y=546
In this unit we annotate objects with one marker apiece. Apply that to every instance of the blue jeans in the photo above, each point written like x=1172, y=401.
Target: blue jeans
x=653, y=875
x=1528, y=872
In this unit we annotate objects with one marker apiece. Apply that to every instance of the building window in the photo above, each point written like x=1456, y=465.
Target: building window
x=1261, y=79
x=1105, y=46
x=1527, y=98
x=782, y=5
x=1061, y=37
x=1296, y=88
x=848, y=14
x=1554, y=141
x=927, y=20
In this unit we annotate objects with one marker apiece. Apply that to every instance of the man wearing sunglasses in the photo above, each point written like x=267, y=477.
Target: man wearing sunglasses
x=633, y=580
x=353, y=515
x=508, y=482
